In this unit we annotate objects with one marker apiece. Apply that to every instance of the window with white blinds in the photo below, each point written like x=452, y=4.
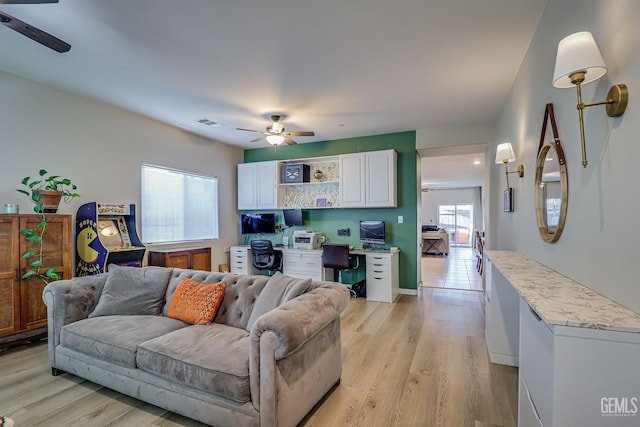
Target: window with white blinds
x=178, y=206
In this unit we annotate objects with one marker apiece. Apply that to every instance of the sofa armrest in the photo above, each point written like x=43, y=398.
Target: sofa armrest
x=284, y=332
x=68, y=301
x=296, y=321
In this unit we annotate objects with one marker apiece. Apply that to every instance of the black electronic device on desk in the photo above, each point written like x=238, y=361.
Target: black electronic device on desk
x=292, y=217
x=258, y=223
x=106, y=234
x=372, y=232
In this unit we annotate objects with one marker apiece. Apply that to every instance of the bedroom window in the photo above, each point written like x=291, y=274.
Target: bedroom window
x=178, y=206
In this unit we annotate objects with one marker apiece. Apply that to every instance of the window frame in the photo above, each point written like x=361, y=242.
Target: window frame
x=151, y=238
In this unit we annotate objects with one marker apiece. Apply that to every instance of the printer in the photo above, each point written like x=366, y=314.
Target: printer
x=306, y=239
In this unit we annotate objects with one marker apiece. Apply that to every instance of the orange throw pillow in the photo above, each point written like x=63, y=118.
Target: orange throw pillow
x=196, y=303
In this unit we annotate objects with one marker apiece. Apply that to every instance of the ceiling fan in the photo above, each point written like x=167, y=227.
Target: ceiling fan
x=275, y=134
x=30, y=31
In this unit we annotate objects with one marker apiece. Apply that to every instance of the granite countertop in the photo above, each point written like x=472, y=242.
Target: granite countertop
x=560, y=300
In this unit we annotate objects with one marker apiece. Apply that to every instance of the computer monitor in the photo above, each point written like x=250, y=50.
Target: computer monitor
x=258, y=223
x=292, y=217
x=372, y=232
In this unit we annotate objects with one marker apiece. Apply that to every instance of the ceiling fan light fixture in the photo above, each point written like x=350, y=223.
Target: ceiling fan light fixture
x=277, y=127
x=275, y=139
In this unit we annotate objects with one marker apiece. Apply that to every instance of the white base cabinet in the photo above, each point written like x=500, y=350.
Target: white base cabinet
x=501, y=317
x=382, y=276
x=240, y=260
x=576, y=376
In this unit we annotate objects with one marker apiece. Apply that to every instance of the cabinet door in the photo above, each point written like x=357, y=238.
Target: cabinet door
x=201, y=259
x=380, y=178
x=178, y=259
x=258, y=185
x=267, y=185
x=352, y=180
x=56, y=246
x=247, y=191
x=9, y=281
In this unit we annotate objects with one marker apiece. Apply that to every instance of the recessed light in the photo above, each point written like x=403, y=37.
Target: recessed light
x=476, y=162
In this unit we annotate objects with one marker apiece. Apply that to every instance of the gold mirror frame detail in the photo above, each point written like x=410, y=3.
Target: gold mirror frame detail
x=550, y=234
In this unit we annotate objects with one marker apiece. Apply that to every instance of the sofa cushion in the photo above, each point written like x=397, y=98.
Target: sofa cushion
x=115, y=338
x=278, y=290
x=195, y=303
x=212, y=358
x=132, y=290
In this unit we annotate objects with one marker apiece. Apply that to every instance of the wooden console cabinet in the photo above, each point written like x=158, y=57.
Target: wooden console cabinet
x=191, y=258
x=23, y=314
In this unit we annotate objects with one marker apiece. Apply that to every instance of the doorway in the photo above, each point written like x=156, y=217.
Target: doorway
x=457, y=219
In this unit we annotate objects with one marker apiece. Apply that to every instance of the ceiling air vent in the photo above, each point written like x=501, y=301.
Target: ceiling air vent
x=208, y=122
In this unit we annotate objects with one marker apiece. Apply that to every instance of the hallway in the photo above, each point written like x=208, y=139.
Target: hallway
x=455, y=271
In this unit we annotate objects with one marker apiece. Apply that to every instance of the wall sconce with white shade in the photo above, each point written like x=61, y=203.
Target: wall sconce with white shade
x=578, y=61
x=505, y=154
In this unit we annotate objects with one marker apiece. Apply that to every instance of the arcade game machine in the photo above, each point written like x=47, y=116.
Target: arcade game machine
x=106, y=234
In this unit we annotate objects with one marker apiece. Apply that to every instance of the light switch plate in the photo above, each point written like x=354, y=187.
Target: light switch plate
x=400, y=219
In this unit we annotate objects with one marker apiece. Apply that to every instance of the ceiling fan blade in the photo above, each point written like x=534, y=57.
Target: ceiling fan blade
x=260, y=138
x=289, y=141
x=34, y=33
x=27, y=1
x=249, y=130
x=302, y=133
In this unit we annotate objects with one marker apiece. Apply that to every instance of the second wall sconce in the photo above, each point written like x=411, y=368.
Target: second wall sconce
x=505, y=154
x=578, y=61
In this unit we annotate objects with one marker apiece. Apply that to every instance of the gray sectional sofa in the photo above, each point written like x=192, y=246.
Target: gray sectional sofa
x=271, y=354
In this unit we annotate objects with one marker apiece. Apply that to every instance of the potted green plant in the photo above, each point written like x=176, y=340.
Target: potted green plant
x=47, y=190
x=39, y=191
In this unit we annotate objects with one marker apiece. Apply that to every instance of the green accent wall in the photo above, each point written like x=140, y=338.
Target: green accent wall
x=328, y=221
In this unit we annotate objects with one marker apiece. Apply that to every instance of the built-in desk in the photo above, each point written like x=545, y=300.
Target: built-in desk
x=577, y=350
x=381, y=272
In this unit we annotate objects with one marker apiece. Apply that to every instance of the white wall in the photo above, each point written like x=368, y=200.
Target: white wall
x=432, y=199
x=448, y=136
x=600, y=241
x=101, y=148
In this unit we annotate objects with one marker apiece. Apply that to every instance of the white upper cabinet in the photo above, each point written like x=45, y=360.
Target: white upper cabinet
x=368, y=180
x=380, y=179
x=355, y=180
x=258, y=185
x=352, y=177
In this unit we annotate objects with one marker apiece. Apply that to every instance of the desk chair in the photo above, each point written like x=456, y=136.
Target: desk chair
x=265, y=258
x=336, y=256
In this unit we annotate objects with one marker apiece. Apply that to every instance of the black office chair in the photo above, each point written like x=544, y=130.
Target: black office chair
x=265, y=258
x=337, y=256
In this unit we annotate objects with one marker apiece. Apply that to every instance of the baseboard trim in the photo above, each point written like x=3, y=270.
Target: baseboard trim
x=408, y=291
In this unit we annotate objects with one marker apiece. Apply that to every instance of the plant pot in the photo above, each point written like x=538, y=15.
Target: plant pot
x=50, y=200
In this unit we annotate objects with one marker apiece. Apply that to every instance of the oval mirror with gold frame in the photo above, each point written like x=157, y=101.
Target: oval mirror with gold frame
x=551, y=184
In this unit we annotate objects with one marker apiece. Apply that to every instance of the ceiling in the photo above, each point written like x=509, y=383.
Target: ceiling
x=453, y=171
x=341, y=68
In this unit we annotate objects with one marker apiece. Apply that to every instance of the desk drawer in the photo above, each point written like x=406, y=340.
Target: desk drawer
x=379, y=264
x=239, y=267
x=302, y=265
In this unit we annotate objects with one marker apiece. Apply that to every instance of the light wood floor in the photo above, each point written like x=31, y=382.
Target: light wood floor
x=421, y=361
